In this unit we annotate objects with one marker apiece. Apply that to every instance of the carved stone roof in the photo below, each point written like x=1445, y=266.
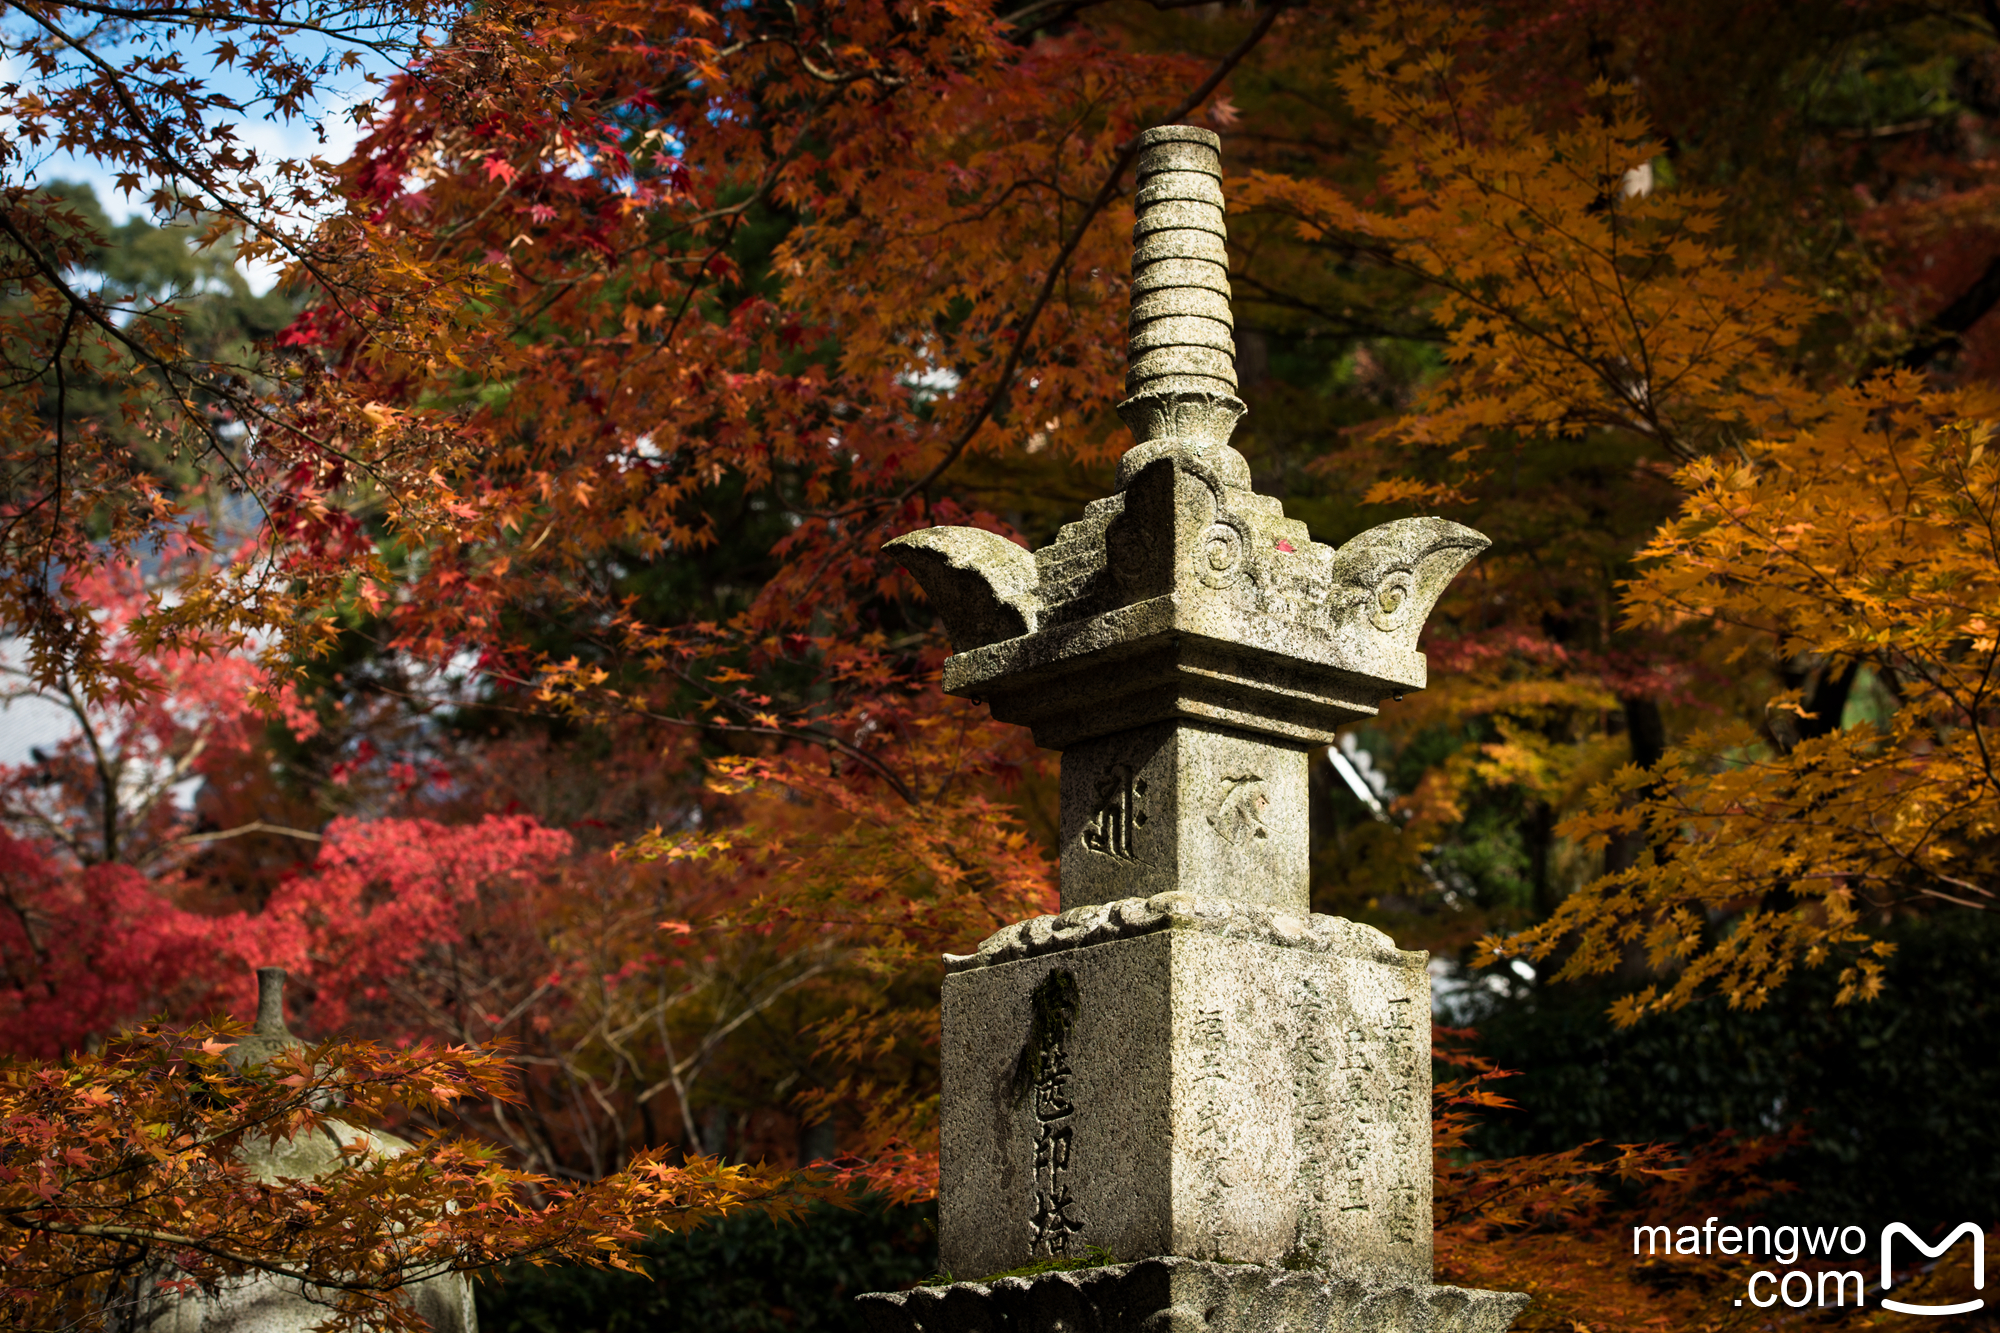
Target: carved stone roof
x=1185, y=594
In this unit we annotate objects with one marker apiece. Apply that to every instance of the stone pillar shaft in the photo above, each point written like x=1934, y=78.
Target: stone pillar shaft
x=1184, y=806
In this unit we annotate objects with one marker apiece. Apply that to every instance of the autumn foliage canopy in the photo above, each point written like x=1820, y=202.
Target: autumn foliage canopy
x=499, y=639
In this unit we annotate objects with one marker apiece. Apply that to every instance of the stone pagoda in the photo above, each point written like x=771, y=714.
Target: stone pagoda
x=1217, y=1100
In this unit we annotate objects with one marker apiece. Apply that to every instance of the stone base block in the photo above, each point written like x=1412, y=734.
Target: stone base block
x=1188, y=1296
x=1188, y=1076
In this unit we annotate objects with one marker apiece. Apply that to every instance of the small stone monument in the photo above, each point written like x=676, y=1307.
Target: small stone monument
x=263, y=1302
x=1186, y=1070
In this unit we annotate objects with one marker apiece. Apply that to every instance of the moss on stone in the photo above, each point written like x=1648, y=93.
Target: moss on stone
x=1093, y=1256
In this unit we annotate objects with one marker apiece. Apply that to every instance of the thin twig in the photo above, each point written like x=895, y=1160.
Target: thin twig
x=255, y=826
x=1127, y=151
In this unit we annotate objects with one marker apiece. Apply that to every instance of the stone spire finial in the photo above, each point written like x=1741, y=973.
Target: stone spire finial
x=271, y=1003
x=1181, y=321
x=268, y=1034
x=1182, y=372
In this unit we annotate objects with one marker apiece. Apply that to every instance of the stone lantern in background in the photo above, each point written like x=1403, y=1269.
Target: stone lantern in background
x=262, y=1302
x=1186, y=1069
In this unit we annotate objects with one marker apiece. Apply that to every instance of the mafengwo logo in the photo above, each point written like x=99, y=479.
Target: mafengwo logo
x=1894, y=1229
x=1822, y=1287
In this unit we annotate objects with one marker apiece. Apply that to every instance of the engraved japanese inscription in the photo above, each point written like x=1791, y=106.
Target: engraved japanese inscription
x=1048, y=1080
x=1375, y=1146
x=1213, y=1111
x=1313, y=1113
x=1406, y=1112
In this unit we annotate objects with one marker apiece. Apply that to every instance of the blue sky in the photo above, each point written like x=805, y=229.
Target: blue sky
x=274, y=139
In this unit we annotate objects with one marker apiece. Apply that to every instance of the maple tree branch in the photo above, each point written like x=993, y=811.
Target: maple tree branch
x=149, y=128
x=62, y=415
x=812, y=735
x=1909, y=857
x=179, y=385
x=1651, y=389
x=1122, y=159
x=824, y=76
x=992, y=206
x=19, y=1219
x=170, y=380
x=255, y=826
x=680, y=1087
x=751, y=1008
x=764, y=187
x=445, y=236
x=234, y=19
x=1954, y=900
x=1265, y=294
x=888, y=82
x=107, y=772
x=1640, y=411
x=1645, y=407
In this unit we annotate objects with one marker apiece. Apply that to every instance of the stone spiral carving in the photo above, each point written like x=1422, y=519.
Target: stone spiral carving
x=1181, y=377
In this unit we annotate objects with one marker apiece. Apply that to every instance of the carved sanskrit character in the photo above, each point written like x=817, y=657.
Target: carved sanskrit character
x=1119, y=813
x=1239, y=815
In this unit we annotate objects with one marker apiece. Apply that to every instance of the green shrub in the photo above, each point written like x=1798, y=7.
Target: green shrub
x=1898, y=1094
x=745, y=1274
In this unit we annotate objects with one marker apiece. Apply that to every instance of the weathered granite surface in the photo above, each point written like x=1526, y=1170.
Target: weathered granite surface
x=1209, y=1093
x=1204, y=810
x=1172, y=1295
